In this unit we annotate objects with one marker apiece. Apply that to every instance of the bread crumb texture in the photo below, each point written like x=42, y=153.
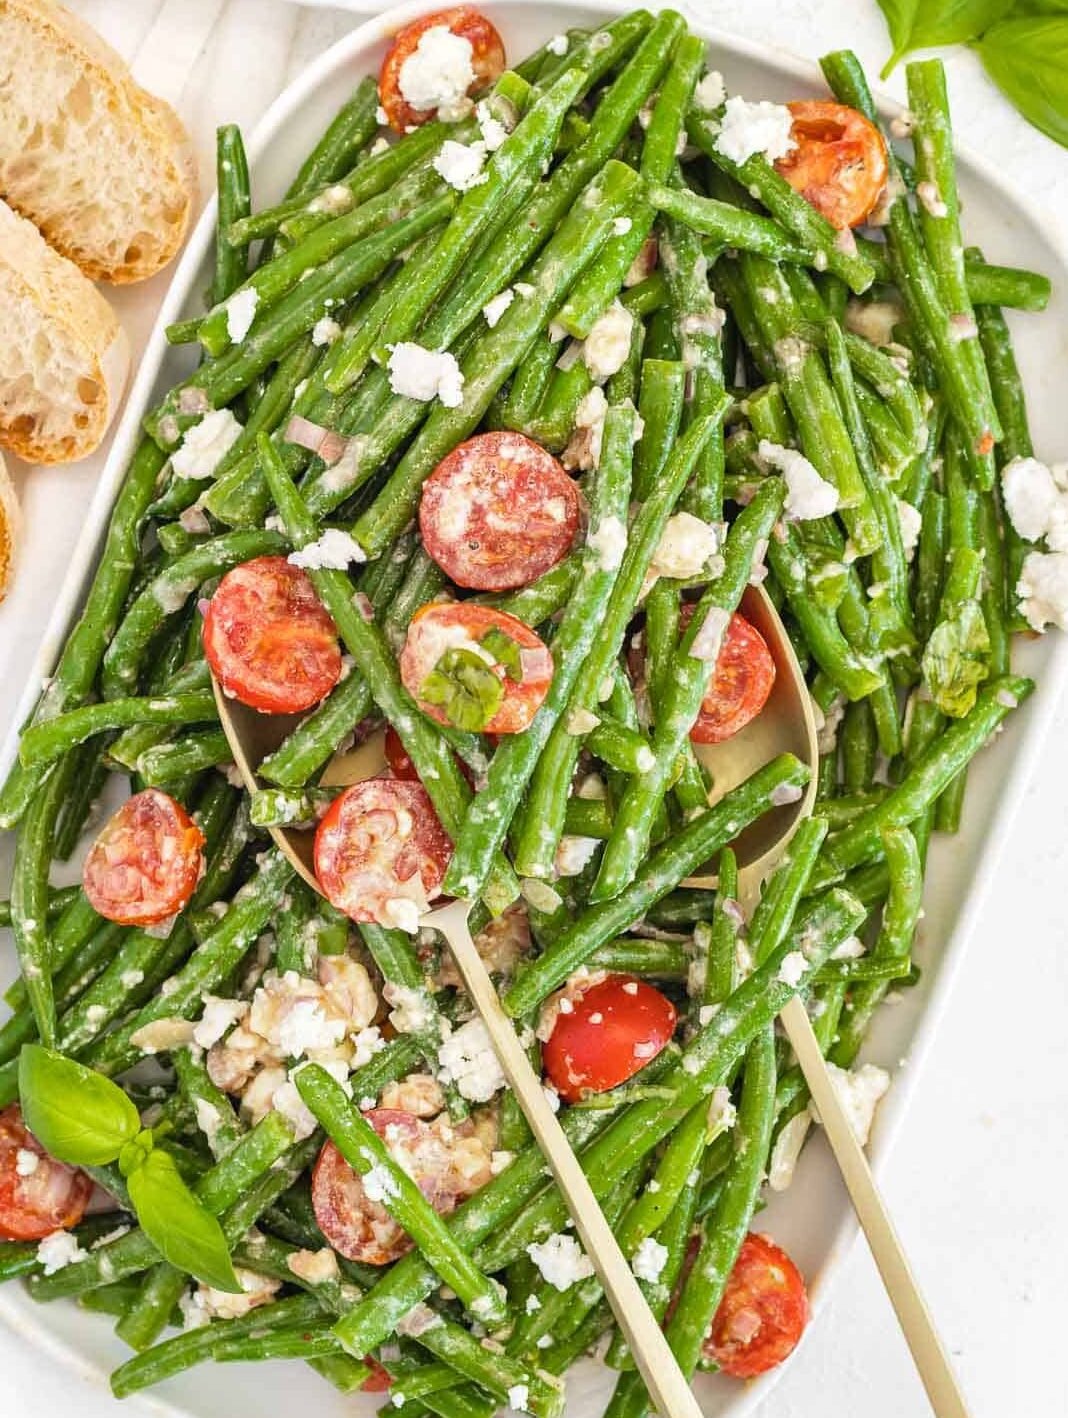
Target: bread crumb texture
x=101, y=167
x=64, y=356
x=10, y=526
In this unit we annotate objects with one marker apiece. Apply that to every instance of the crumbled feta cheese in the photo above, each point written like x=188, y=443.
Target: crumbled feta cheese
x=493, y=131
x=581, y=721
x=787, y=1149
x=438, y=73
x=378, y=1183
x=649, y=1260
x=686, y=547
x=467, y=1058
x=708, y=641
x=1037, y=505
x=911, y=522
x=334, y=550
x=219, y=1016
x=808, y=495
x=205, y=445
x=792, y=969
x=574, y=854
x=240, y=313
x=381, y=116
x=607, y=345
x=325, y=331
x=785, y=793
x=519, y=1398
x=584, y=449
x=58, y=1250
x=495, y=308
x=26, y=1162
x=561, y=1260
x=558, y=45
x=851, y=949
x=621, y=226
x=412, y=1010
x=750, y=128
x=859, y=1091
x=162, y=1035
x=424, y=374
x=551, y=1096
x=608, y=542
x=461, y=165
x=711, y=92
x=207, y=1303
x=533, y=1304
x=1043, y=589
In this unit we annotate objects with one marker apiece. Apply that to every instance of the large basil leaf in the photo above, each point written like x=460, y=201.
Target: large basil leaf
x=77, y=1115
x=1028, y=60
x=921, y=24
x=176, y=1223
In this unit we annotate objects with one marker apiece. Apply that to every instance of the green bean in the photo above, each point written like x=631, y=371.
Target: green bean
x=234, y=202
x=860, y=841
x=170, y=763
x=791, y=210
x=47, y=742
x=624, y=749
x=67, y=984
x=1004, y=285
x=663, y=385
x=81, y=656
x=59, y=899
x=428, y=750
x=686, y=687
x=543, y=598
x=542, y=822
x=731, y=226
x=858, y=747
x=675, y=859
x=664, y=960
x=496, y=354
x=365, y=1151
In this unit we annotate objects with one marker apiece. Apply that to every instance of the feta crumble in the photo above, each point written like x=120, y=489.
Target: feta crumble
x=859, y=1091
x=59, y=1250
x=1036, y=502
x=493, y=131
x=519, y=1398
x=787, y=1149
x=686, y=546
x=558, y=45
x=911, y=522
x=334, y=550
x=424, y=374
x=561, y=1260
x=711, y=92
x=26, y=1162
x=240, y=313
x=792, y=969
x=1043, y=589
x=649, y=1260
x=608, y=542
x=325, y=331
x=808, y=495
x=495, y=308
x=467, y=1058
x=205, y=444
x=751, y=128
x=461, y=164
x=607, y=345
x=438, y=73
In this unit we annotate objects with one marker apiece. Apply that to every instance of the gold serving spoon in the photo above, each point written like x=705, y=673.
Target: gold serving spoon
x=786, y=724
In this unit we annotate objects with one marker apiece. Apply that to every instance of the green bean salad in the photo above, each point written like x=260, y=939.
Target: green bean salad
x=533, y=375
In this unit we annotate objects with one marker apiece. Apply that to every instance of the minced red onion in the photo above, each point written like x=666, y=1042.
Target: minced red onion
x=329, y=446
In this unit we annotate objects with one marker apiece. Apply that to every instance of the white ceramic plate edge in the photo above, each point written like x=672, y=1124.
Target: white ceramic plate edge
x=1038, y=713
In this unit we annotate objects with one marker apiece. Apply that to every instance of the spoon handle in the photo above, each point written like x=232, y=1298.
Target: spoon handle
x=668, y=1387
x=917, y=1325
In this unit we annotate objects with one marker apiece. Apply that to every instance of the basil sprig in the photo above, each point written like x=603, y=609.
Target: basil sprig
x=82, y=1118
x=1023, y=45
x=465, y=688
x=507, y=652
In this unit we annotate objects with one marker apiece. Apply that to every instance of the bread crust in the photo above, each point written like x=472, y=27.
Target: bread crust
x=120, y=209
x=10, y=528
x=64, y=359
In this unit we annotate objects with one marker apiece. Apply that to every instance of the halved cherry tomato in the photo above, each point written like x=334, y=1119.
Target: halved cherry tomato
x=145, y=863
x=442, y=626
x=378, y=844
x=379, y=1379
x=612, y=1031
x=498, y=512
x=38, y=1196
x=486, y=60
x=839, y=163
x=268, y=639
x=402, y=767
x=361, y=1229
x=763, y=1312
x=740, y=683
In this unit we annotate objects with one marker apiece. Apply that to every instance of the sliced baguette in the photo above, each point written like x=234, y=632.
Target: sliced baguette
x=64, y=356
x=10, y=528
x=101, y=167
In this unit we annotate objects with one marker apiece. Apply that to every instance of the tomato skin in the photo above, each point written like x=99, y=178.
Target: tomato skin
x=498, y=512
x=839, y=164
x=402, y=767
x=379, y=1380
x=763, y=1312
x=740, y=684
x=53, y=1197
x=378, y=841
x=361, y=1229
x=439, y=625
x=583, y=1056
x=269, y=640
x=146, y=861
x=487, y=60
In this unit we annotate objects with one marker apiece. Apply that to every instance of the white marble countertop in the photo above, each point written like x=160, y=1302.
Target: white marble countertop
x=975, y=1179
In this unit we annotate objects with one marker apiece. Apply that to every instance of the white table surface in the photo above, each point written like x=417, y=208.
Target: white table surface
x=976, y=1177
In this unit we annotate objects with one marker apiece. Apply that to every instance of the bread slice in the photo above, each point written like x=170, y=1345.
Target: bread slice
x=101, y=167
x=10, y=528
x=63, y=356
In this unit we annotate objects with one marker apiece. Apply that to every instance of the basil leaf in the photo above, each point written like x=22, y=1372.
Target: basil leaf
x=506, y=651
x=1037, y=7
x=182, y=1230
x=77, y=1115
x=921, y=24
x=954, y=659
x=465, y=687
x=1028, y=60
